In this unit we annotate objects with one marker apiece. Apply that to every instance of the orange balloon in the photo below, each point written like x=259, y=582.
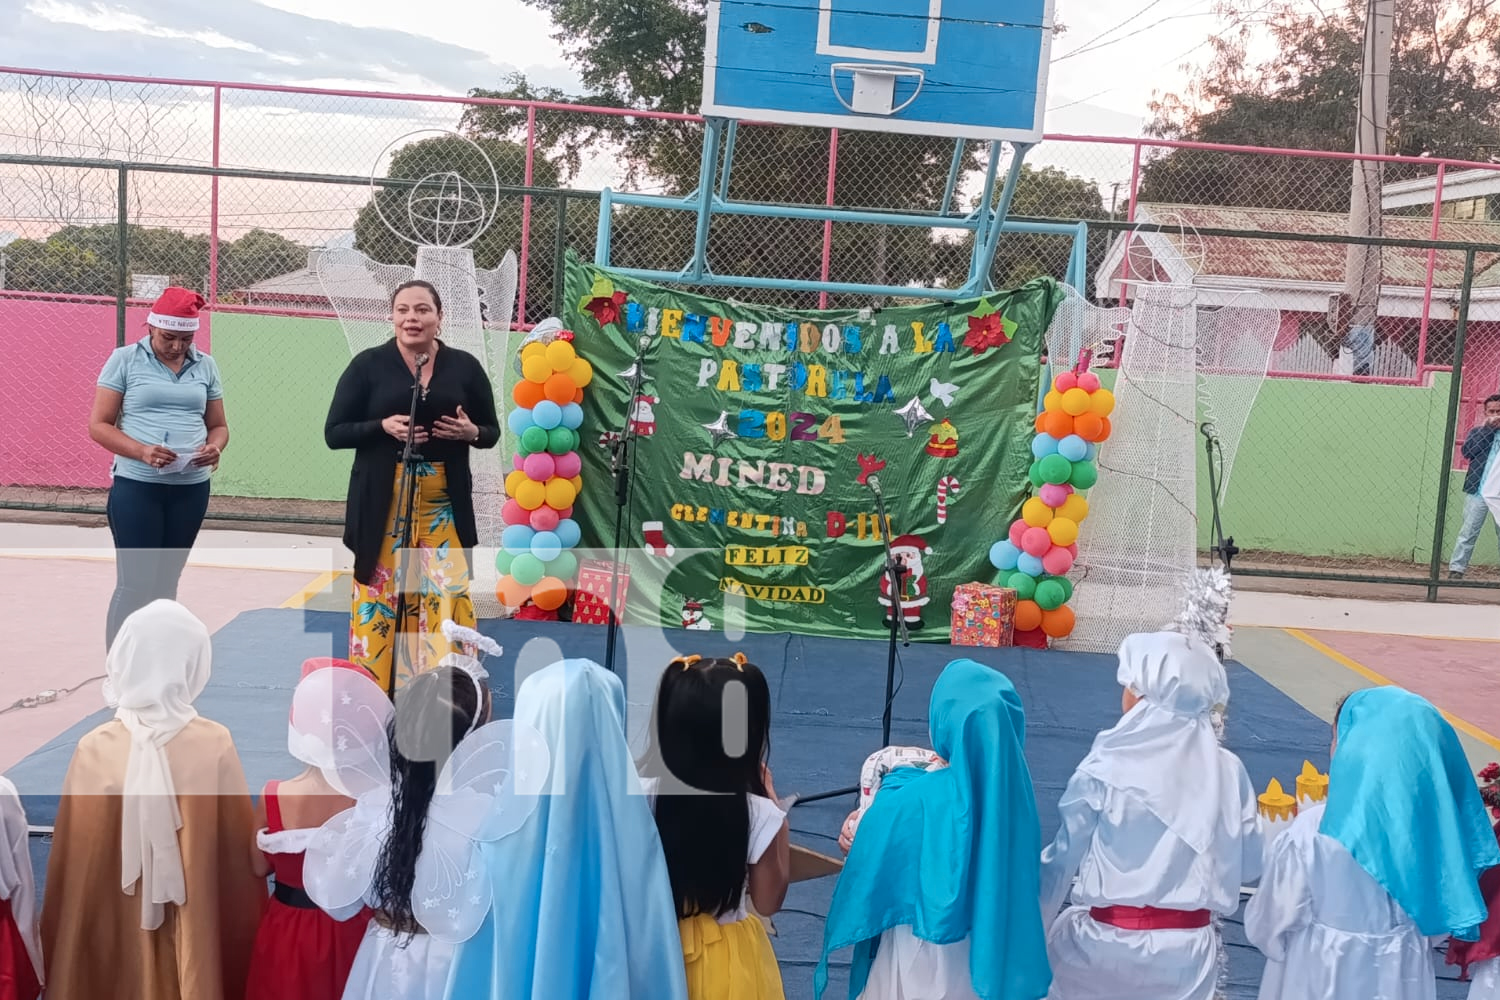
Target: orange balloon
x=1107, y=428
x=1058, y=622
x=578, y=396
x=1089, y=426
x=560, y=388
x=510, y=592
x=527, y=394
x=1028, y=616
x=1040, y=419
x=1057, y=423
x=549, y=593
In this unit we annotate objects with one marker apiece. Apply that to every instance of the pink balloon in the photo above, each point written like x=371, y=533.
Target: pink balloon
x=1053, y=494
x=544, y=518
x=513, y=513
x=1073, y=550
x=565, y=514
x=539, y=467
x=1016, y=531
x=568, y=465
x=1065, y=381
x=1088, y=382
x=1057, y=561
x=1036, y=541
x=519, y=462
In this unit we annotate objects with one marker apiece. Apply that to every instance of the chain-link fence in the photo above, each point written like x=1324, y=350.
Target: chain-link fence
x=1351, y=464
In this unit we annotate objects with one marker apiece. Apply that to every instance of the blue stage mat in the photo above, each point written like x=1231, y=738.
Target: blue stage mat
x=828, y=696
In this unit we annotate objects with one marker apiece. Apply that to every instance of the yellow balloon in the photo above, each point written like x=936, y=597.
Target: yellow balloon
x=1052, y=402
x=582, y=372
x=1076, y=401
x=1063, y=531
x=1102, y=402
x=577, y=482
x=535, y=349
x=536, y=368
x=1075, y=508
x=531, y=495
x=1036, y=513
x=513, y=482
x=560, y=355
x=560, y=493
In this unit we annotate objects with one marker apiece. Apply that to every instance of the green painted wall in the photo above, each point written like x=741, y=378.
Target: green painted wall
x=1324, y=468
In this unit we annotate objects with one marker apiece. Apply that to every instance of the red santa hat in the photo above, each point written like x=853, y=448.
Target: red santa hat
x=176, y=310
x=911, y=542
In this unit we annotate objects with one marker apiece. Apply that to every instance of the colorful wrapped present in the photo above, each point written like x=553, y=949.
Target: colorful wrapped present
x=591, y=603
x=983, y=615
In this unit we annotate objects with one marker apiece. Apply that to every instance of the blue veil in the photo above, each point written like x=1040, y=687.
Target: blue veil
x=954, y=852
x=583, y=905
x=1402, y=800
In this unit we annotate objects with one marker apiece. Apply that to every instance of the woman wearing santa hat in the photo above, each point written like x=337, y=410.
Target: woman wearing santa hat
x=159, y=408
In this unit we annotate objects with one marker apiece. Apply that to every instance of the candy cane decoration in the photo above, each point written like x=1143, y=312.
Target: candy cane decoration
x=947, y=486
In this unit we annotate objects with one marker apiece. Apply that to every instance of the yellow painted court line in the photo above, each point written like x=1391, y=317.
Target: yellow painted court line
x=111, y=559
x=1374, y=677
x=319, y=584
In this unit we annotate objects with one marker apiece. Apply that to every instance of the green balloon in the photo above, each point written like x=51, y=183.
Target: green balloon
x=1022, y=584
x=561, y=440
x=1035, y=475
x=503, y=559
x=534, y=440
x=1056, y=469
x=1084, y=474
x=1049, y=595
x=565, y=566
x=1067, y=586
x=527, y=569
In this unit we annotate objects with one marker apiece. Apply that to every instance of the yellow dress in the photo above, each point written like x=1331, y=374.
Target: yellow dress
x=437, y=575
x=729, y=961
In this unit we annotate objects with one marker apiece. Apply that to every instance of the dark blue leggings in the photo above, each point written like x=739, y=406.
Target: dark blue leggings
x=154, y=526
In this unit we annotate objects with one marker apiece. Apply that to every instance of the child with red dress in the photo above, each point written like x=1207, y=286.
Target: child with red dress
x=20, y=949
x=302, y=952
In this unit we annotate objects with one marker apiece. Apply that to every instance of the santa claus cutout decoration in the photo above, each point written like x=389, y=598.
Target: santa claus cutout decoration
x=908, y=551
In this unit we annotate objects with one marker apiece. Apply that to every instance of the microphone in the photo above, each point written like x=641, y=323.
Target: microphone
x=873, y=481
x=1208, y=430
x=421, y=360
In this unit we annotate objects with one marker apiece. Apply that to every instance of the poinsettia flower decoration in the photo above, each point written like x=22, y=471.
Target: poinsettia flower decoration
x=988, y=327
x=605, y=302
x=1489, y=789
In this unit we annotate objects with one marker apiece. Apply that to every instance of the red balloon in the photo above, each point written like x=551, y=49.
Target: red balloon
x=1073, y=549
x=565, y=513
x=1016, y=531
x=544, y=518
x=1065, y=381
x=1036, y=541
x=514, y=513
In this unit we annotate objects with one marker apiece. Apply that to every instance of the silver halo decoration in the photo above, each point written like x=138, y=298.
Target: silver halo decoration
x=437, y=191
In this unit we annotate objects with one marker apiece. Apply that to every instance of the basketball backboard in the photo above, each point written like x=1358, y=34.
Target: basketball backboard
x=973, y=69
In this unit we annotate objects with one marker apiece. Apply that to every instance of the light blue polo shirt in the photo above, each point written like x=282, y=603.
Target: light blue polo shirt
x=161, y=406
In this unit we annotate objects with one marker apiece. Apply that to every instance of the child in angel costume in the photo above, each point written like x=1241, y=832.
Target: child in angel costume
x=409, y=847
x=338, y=715
x=20, y=948
x=1362, y=886
x=1159, y=822
x=583, y=902
x=726, y=839
x=939, y=892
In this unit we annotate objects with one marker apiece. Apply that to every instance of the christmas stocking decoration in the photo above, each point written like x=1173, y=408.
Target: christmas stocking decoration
x=656, y=541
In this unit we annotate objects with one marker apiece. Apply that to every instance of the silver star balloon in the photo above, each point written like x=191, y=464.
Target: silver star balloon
x=633, y=373
x=719, y=429
x=913, y=413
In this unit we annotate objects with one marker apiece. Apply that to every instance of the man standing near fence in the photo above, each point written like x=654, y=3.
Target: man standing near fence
x=1481, y=486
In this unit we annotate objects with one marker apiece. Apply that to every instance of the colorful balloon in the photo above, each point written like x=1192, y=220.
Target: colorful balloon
x=534, y=440
x=1076, y=401
x=514, y=513
x=518, y=421
x=1028, y=616
x=560, y=441
x=511, y=592
x=1073, y=447
x=582, y=373
x=1057, y=561
x=535, y=369
x=568, y=533
x=1083, y=475
x=1056, y=469
x=1059, y=622
x=1088, y=382
x=1036, y=541
x=560, y=493
x=565, y=566
x=1043, y=445
x=516, y=539
x=560, y=388
x=1055, y=494
x=531, y=494
x=1023, y=585
x=527, y=569
x=539, y=466
x=568, y=464
x=560, y=355
x=544, y=518
x=1003, y=555
x=1062, y=531
x=1102, y=402
x=1036, y=513
x=1030, y=565
x=572, y=417
x=546, y=546
x=1074, y=508
x=547, y=414
x=1049, y=595
x=1065, y=381
x=549, y=593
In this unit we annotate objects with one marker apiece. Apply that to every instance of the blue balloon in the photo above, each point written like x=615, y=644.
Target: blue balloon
x=572, y=417
x=519, y=420
x=1073, y=448
x=1092, y=453
x=546, y=546
x=1003, y=554
x=546, y=414
x=568, y=532
x=1030, y=565
x=1043, y=445
x=516, y=539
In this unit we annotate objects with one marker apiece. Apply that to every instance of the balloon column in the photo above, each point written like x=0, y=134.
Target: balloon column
x=1043, y=541
x=534, y=561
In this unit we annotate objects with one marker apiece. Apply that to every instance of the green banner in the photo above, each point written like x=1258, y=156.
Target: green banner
x=757, y=429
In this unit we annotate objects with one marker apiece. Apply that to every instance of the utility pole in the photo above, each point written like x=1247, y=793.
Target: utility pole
x=1362, y=267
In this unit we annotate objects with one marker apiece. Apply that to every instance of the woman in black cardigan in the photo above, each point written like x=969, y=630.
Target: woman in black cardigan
x=455, y=412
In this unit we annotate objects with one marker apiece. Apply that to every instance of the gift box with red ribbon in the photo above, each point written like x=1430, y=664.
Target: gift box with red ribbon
x=983, y=615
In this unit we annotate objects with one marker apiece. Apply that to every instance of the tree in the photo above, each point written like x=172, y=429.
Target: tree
x=256, y=256
x=1445, y=102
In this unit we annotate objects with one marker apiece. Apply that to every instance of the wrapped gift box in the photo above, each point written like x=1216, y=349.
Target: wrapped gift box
x=591, y=601
x=983, y=615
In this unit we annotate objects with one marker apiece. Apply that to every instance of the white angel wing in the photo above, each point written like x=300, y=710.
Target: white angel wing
x=497, y=288
x=360, y=292
x=486, y=791
x=339, y=866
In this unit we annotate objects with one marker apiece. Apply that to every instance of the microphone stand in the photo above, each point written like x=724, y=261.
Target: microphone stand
x=405, y=521
x=894, y=571
x=620, y=466
x=1222, y=547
